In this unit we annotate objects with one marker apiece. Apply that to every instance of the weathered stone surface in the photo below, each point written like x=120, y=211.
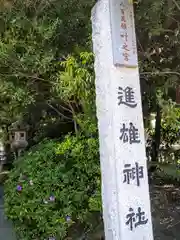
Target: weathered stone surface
x=119, y=199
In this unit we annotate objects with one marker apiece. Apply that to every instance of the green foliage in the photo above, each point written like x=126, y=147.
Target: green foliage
x=75, y=83
x=70, y=172
x=88, y=125
x=170, y=111
x=34, y=37
x=76, y=77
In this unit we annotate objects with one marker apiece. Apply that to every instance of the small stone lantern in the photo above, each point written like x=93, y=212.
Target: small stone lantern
x=18, y=138
x=2, y=154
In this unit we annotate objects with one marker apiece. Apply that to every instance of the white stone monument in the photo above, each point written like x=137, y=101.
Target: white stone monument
x=125, y=191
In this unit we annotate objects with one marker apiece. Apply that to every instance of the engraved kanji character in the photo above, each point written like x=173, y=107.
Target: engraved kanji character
x=135, y=220
x=130, y=134
x=126, y=56
x=126, y=97
x=124, y=35
x=123, y=19
x=125, y=47
x=123, y=25
x=133, y=173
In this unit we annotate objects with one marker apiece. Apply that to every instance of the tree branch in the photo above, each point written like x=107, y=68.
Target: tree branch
x=75, y=123
x=66, y=109
x=23, y=75
x=160, y=73
x=177, y=5
x=59, y=113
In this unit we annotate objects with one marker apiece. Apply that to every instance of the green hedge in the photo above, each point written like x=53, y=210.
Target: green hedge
x=54, y=188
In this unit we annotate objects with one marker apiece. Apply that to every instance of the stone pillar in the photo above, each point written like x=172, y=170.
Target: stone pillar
x=125, y=191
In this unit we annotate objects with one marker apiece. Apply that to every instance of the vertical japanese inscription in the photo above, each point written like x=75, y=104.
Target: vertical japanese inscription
x=126, y=97
x=135, y=219
x=124, y=34
x=133, y=171
x=130, y=130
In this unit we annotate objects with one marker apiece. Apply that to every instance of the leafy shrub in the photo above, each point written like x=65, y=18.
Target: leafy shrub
x=54, y=188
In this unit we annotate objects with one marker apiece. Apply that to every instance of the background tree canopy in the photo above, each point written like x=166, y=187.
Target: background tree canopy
x=35, y=38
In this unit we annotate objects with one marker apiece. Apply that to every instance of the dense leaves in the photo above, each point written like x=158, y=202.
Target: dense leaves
x=35, y=36
x=54, y=186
